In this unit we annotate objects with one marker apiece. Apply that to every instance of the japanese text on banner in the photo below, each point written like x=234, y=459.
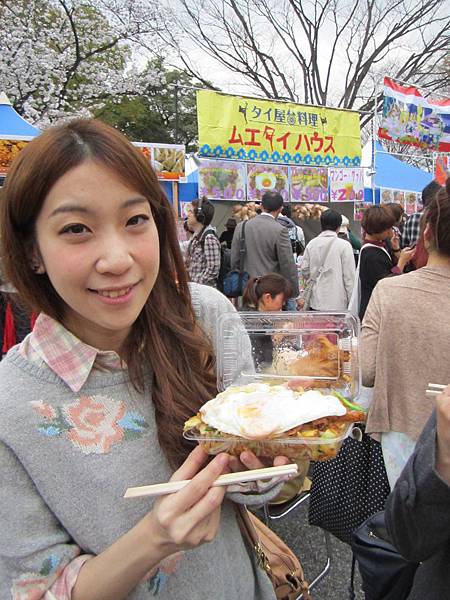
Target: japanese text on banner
x=255, y=130
x=346, y=185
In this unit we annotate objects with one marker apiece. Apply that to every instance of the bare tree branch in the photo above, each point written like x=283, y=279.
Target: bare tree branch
x=322, y=51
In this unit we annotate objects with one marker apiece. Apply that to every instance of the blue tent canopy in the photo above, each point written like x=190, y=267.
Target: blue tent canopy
x=12, y=125
x=390, y=172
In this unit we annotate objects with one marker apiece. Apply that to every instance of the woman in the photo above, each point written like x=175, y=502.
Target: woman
x=270, y=293
x=267, y=293
x=399, y=213
x=418, y=510
x=202, y=257
x=405, y=342
x=94, y=399
x=375, y=262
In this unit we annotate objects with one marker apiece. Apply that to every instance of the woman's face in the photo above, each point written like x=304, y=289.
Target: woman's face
x=384, y=235
x=269, y=304
x=98, y=243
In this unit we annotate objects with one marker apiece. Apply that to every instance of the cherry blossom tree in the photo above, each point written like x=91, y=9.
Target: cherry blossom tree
x=62, y=57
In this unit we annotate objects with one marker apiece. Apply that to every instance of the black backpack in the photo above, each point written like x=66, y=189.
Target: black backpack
x=225, y=259
x=297, y=246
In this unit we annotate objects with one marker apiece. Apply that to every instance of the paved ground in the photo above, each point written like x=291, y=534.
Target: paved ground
x=308, y=543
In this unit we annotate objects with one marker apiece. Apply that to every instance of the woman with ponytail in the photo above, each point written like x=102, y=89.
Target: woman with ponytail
x=406, y=341
x=267, y=293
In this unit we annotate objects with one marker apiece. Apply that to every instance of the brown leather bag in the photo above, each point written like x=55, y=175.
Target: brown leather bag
x=280, y=563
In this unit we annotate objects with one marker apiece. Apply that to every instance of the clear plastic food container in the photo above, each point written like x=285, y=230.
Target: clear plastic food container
x=302, y=350
x=295, y=448
x=317, y=349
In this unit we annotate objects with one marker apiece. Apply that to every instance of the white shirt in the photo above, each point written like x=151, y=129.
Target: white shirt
x=333, y=289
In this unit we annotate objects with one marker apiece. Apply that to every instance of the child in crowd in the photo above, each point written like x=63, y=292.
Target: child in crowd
x=269, y=293
x=94, y=399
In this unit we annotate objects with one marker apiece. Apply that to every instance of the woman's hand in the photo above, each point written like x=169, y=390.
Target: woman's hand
x=405, y=257
x=395, y=241
x=191, y=516
x=248, y=460
x=443, y=434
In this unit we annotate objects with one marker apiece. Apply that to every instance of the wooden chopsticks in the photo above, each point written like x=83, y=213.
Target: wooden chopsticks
x=435, y=388
x=160, y=489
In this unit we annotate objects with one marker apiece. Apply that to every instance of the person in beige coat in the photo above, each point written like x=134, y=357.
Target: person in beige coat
x=405, y=342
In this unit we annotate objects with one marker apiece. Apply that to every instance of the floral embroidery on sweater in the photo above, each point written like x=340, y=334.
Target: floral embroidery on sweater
x=32, y=586
x=92, y=423
x=157, y=578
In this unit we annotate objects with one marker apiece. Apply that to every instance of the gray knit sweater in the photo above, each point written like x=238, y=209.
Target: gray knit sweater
x=57, y=501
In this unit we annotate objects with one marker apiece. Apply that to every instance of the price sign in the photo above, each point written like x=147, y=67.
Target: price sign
x=309, y=184
x=346, y=185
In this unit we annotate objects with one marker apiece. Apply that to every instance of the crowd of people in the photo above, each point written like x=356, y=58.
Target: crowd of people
x=123, y=351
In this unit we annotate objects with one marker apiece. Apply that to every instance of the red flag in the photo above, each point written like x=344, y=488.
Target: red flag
x=9, y=331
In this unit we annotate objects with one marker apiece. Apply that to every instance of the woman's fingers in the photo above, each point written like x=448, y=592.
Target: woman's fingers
x=179, y=518
x=199, y=485
x=279, y=461
x=249, y=460
x=200, y=522
x=443, y=418
x=192, y=465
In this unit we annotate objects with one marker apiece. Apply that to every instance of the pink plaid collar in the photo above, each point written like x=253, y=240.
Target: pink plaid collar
x=65, y=354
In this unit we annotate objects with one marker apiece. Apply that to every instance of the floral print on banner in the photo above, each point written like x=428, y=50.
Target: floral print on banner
x=32, y=586
x=157, y=579
x=94, y=424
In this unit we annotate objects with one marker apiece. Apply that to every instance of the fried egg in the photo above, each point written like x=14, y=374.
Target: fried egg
x=265, y=181
x=258, y=410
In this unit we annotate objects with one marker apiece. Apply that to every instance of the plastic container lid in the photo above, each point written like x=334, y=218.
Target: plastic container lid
x=311, y=349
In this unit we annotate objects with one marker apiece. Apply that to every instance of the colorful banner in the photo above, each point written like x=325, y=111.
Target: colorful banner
x=411, y=205
x=358, y=210
x=262, y=178
x=411, y=201
x=168, y=160
x=442, y=169
x=222, y=180
x=388, y=195
x=9, y=149
x=268, y=131
x=411, y=119
x=185, y=207
x=346, y=185
x=309, y=184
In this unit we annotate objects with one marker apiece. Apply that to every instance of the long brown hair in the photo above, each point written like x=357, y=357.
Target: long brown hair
x=437, y=214
x=165, y=335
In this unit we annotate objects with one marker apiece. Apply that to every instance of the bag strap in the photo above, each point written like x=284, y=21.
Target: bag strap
x=319, y=271
x=369, y=245
x=202, y=238
x=250, y=534
x=351, y=587
x=242, y=248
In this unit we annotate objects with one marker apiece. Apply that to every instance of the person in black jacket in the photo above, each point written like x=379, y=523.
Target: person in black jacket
x=375, y=260
x=418, y=509
x=226, y=237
